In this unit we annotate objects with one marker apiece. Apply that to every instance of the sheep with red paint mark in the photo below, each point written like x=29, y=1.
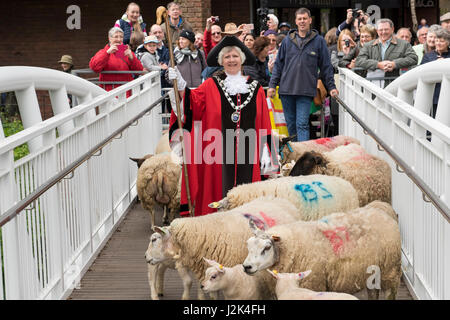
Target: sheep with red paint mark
x=340, y=249
x=220, y=236
x=369, y=175
x=292, y=151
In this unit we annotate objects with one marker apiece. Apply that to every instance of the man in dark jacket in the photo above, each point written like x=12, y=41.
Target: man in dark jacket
x=302, y=59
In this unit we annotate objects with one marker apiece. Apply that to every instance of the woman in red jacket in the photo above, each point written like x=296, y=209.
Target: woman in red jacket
x=115, y=56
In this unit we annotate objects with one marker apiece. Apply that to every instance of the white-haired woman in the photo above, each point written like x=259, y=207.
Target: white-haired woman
x=272, y=22
x=115, y=56
x=229, y=141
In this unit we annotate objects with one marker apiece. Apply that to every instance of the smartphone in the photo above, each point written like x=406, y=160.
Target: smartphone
x=120, y=53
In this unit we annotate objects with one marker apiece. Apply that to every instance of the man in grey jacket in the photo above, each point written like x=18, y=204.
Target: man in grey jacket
x=387, y=53
x=302, y=59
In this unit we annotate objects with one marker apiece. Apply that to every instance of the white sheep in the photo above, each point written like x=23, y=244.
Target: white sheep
x=234, y=283
x=157, y=265
x=220, y=236
x=314, y=196
x=287, y=288
x=340, y=249
x=292, y=151
x=159, y=183
x=369, y=175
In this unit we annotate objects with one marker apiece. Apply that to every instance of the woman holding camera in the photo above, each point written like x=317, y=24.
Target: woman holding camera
x=212, y=34
x=347, y=51
x=115, y=56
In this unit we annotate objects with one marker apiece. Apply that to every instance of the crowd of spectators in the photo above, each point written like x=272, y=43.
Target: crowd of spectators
x=291, y=58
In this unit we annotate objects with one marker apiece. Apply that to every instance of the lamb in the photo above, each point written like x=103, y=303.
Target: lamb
x=288, y=289
x=369, y=175
x=314, y=196
x=221, y=235
x=159, y=182
x=340, y=249
x=234, y=283
x=294, y=150
x=157, y=266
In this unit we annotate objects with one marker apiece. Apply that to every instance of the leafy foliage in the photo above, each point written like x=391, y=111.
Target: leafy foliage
x=12, y=125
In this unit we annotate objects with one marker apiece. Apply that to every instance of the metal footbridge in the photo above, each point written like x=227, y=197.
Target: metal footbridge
x=70, y=225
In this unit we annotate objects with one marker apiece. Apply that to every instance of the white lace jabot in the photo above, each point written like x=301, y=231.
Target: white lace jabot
x=236, y=83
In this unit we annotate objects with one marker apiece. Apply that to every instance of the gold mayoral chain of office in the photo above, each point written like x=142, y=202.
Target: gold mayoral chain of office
x=236, y=115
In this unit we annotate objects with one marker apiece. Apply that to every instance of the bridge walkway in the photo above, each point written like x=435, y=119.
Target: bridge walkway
x=120, y=270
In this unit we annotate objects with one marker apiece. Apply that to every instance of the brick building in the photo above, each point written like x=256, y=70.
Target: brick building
x=37, y=34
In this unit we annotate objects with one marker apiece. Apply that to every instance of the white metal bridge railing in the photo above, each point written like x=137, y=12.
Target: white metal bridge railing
x=402, y=127
x=46, y=247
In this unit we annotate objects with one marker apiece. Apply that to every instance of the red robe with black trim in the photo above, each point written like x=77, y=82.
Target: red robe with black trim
x=206, y=173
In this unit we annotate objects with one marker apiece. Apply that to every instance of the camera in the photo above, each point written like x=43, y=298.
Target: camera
x=262, y=14
x=215, y=19
x=347, y=42
x=355, y=13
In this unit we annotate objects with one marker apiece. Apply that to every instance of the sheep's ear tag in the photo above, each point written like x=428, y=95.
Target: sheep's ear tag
x=303, y=275
x=214, y=205
x=276, y=238
x=220, y=268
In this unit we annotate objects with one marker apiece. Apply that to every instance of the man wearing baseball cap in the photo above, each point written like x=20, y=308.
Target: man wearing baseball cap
x=445, y=21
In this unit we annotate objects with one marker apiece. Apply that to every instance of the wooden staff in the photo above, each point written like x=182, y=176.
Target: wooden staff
x=161, y=13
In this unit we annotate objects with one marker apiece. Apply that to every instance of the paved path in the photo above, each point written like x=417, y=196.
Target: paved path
x=120, y=270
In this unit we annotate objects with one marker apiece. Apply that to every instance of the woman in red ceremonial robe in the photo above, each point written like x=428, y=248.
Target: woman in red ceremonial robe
x=229, y=141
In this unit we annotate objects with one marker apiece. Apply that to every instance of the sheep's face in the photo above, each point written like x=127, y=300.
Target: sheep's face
x=159, y=247
x=261, y=254
x=213, y=279
x=308, y=163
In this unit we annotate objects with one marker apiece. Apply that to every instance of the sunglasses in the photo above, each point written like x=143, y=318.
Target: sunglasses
x=216, y=33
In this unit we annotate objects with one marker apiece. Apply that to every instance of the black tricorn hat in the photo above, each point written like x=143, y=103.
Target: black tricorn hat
x=230, y=41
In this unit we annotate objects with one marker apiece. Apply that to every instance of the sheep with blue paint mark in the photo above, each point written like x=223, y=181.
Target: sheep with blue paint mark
x=369, y=175
x=341, y=249
x=314, y=196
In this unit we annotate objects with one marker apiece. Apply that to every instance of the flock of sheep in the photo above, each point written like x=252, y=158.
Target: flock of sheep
x=315, y=232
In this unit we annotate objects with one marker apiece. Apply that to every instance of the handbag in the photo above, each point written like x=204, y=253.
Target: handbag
x=321, y=93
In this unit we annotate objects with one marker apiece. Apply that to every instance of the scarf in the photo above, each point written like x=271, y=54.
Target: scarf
x=179, y=55
x=125, y=18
